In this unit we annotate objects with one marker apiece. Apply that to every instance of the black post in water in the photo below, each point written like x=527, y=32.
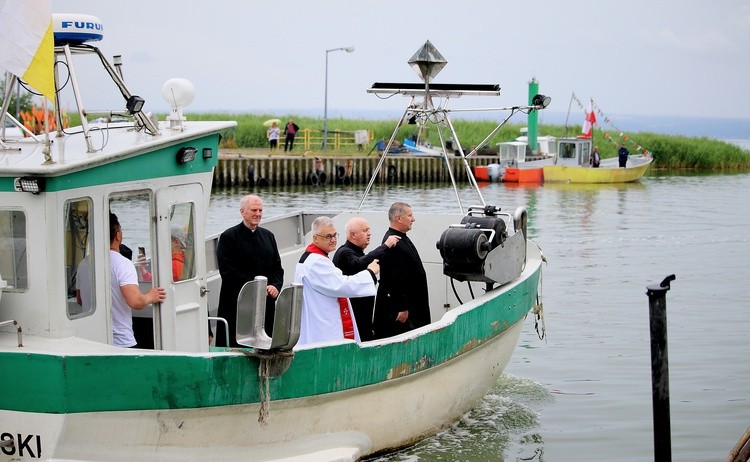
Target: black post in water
x=657, y=307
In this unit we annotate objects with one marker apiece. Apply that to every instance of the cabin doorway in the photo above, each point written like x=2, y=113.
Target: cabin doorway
x=134, y=212
x=183, y=317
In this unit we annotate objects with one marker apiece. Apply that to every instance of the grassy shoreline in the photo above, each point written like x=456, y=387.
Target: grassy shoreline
x=669, y=151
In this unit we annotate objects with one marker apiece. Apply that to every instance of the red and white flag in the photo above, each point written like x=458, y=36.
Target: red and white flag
x=588, y=123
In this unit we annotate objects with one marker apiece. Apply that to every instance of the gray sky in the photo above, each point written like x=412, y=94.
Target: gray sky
x=668, y=57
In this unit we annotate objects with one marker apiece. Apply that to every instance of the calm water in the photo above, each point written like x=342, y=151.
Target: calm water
x=584, y=392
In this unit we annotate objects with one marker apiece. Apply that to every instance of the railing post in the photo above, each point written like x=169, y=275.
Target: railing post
x=660, y=368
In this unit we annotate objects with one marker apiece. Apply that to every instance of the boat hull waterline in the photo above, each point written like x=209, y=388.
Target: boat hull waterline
x=608, y=172
x=209, y=403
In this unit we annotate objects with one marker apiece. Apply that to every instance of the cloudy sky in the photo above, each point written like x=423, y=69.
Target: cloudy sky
x=668, y=57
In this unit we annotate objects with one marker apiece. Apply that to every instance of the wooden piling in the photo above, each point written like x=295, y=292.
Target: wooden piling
x=280, y=170
x=660, y=369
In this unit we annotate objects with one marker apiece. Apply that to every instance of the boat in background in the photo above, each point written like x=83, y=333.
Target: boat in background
x=73, y=395
x=572, y=164
x=519, y=164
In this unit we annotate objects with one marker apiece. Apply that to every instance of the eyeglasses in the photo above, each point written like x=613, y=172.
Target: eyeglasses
x=329, y=237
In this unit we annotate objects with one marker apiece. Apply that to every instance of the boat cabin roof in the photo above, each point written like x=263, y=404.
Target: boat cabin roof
x=69, y=152
x=573, y=151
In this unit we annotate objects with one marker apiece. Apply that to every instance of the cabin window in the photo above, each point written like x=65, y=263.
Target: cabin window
x=182, y=242
x=13, y=269
x=134, y=214
x=80, y=271
x=568, y=150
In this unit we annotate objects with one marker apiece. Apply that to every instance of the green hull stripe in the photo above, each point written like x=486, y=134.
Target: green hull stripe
x=156, y=164
x=71, y=384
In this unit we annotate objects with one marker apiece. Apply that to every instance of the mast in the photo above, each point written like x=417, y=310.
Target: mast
x=533, y=118
x=572, y=95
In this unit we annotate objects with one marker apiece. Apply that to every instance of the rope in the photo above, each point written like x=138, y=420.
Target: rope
x=265, y=395
x=537, y=452
x=265, y=362
x=538, y=308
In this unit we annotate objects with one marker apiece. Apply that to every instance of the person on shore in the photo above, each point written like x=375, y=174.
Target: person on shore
x=326, y=310
x=245, y=251
x=595, y=157
x=273, y=136
x=350, y=258
x=622, y=155
x=402, y=302
x=290, y=131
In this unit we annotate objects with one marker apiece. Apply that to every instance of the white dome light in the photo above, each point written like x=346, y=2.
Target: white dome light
x=178, y=93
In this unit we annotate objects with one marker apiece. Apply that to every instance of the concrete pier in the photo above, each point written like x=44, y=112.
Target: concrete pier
x=235, y=169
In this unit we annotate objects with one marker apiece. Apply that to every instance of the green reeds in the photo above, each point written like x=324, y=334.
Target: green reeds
x=669, y=151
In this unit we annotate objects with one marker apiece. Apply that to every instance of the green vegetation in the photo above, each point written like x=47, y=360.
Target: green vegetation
x=669, y=151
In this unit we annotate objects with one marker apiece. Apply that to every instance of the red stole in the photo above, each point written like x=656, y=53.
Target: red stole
x=346, y=315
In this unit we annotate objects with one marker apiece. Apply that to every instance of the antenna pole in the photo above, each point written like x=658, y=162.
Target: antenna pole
x=572, y=95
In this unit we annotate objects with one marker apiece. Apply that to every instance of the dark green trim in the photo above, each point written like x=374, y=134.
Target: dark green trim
x=155, y=164
x=72, y=384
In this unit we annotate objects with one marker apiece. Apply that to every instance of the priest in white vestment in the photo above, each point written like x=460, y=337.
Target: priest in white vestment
x=326, y=311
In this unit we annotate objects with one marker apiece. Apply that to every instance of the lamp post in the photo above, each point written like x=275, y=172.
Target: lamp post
x=325, y=103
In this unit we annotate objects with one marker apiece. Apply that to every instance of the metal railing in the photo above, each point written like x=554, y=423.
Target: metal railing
x=309, y=139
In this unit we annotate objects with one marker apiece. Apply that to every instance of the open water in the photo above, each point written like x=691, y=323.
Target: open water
x=584, y=392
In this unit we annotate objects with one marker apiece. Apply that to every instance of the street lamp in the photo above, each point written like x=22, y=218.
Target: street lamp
x=325, y=103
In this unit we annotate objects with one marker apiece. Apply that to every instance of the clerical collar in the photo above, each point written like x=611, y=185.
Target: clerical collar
x=312, y=248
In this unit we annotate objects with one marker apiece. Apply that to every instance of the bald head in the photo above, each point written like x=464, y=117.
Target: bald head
x=358, y=232
x=251, y=209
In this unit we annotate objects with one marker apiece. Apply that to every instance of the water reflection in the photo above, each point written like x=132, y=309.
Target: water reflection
x=604, y=244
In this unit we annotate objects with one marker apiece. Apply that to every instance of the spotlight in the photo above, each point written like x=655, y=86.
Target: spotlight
x=134, y=104
x=185, y=155
x=541, y=101
x=29, y=184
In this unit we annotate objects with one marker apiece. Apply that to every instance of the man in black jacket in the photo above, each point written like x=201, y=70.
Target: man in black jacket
x=244, y=252
x=622, y=155
x=350, y=258
x=402, y=302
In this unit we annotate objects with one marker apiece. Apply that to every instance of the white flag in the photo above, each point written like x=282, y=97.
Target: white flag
x=27, y=46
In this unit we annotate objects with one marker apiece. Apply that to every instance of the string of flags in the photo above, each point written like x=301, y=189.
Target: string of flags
x=591, y=119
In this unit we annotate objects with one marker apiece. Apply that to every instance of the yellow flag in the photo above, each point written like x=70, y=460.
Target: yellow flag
x=27, y=46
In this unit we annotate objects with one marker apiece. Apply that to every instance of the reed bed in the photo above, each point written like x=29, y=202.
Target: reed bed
x=669, y=151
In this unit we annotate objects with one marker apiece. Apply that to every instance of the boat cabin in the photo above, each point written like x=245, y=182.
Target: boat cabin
x=54, y=224
x=513, y=151
x=573, y=151
x=519, y=150
x=55, y=198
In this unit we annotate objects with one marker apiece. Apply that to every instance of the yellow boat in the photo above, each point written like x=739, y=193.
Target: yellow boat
x=571, y=165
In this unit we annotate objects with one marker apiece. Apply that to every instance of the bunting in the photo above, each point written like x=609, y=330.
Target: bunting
x=622, y=136
x=27, y=43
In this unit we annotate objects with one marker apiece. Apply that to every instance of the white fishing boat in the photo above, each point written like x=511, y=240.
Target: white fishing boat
x=70, y=394
x=518, y=164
